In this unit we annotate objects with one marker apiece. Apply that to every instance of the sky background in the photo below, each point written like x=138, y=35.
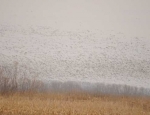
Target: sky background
x=87, y=40
x=131, y=17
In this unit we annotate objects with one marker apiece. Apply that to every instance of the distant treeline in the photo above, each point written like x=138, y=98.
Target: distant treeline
x=10, y=83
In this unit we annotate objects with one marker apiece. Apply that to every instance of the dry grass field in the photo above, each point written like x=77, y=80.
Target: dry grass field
x=25, y=99
x=72, y=104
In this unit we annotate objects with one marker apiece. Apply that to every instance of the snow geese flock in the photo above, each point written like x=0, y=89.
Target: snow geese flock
x=92, y=56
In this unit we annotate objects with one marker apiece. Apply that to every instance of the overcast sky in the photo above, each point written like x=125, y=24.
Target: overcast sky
x=131, y=17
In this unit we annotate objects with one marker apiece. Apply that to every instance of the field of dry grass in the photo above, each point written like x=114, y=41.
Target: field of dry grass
x=72, y=104
x=21, y=97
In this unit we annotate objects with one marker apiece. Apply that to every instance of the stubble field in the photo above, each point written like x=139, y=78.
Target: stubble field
x=72, y=104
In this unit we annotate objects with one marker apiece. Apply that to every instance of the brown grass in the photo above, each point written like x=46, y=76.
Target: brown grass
x=72, y=104
x=23, y=97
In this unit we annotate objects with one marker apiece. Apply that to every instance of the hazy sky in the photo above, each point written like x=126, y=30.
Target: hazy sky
x=131, y=17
